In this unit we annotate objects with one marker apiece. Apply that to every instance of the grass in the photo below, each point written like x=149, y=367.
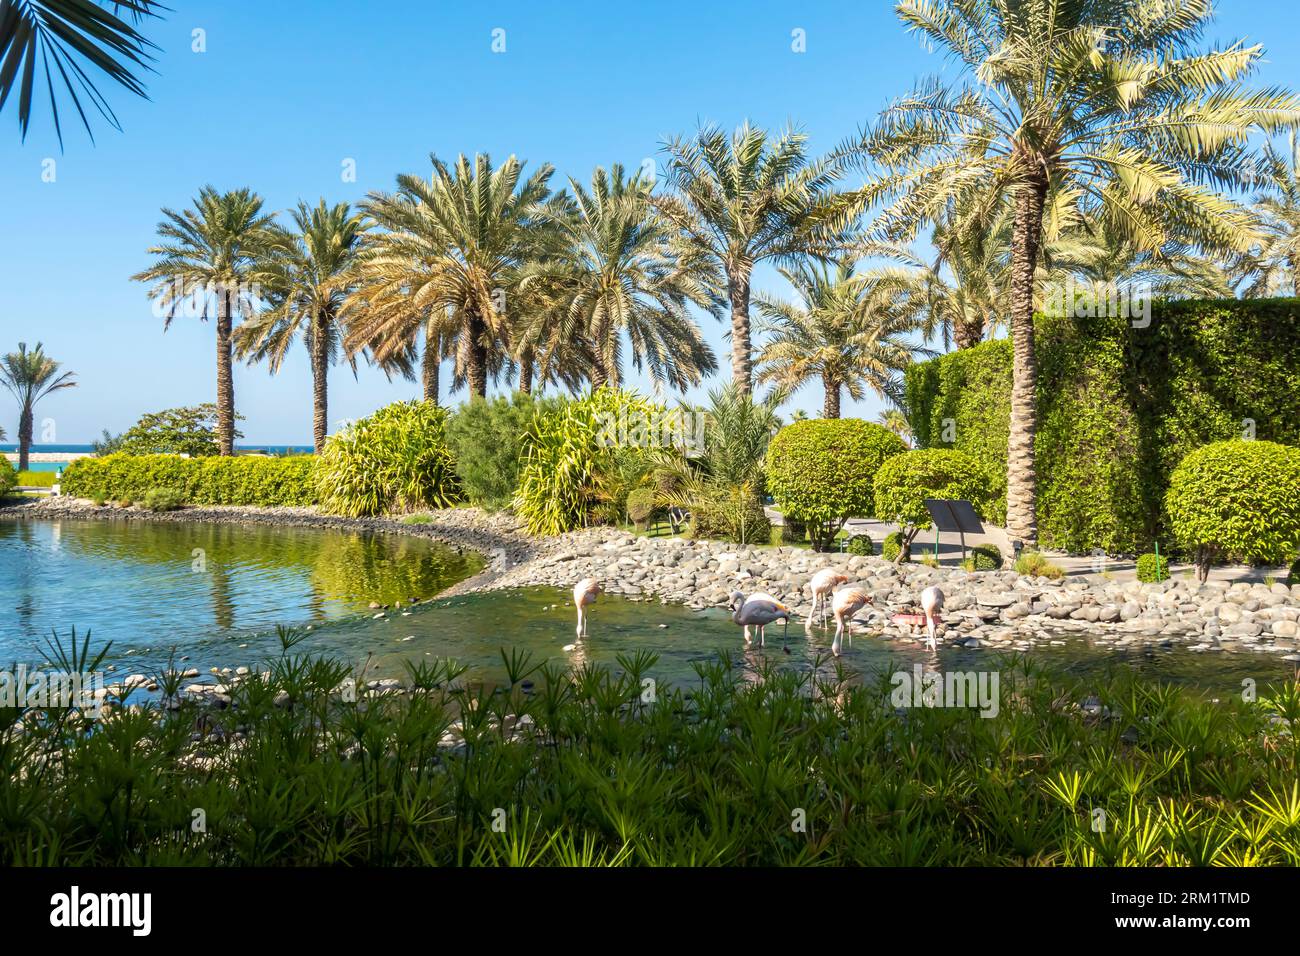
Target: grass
x=36, y=479
x=593, y=766
x=1032, y=564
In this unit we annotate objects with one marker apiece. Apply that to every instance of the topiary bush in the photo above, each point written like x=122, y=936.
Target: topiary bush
x=821, y=472
x=860, y=544
x=983, y=557
x=731, y=514
x=892, y=546
x=162, y=499
x=642, y=507
x=1152, y=567
x=1237, y=500
x=394, y=460
x=904, y=482
x=218, y=480
x=486, y=441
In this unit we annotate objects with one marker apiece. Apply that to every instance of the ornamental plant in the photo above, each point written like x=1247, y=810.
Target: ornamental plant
x=1238, y=500
x=822, y=472
x=904, y=482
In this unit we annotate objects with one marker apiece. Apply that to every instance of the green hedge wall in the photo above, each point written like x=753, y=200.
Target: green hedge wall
x=214, y=480
x=1119, y=407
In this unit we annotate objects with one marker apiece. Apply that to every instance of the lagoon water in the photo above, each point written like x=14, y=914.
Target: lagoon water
x=215, y=593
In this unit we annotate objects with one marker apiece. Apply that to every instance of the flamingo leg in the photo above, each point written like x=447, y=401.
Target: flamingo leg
x=785, y=635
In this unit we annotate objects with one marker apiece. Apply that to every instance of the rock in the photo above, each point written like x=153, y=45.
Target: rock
x=1016, y=611
x=1285, y=628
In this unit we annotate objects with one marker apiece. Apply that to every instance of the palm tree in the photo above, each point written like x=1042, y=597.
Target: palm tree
x=895, y=420
x=848, y=331
x=620, y=274
x=216, y=251
x=1269, y=268
x=30, y=376
x=307, y=279
x=34, y=32
x=742, y=199
x=455, y=246
x=1103, y=100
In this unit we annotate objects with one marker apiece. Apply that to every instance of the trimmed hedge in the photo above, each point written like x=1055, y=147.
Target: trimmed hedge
x=984, y=557
x=1119, y=407
x=218, y=480
x=860, y=544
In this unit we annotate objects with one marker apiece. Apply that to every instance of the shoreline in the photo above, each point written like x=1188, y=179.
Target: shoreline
x=1000, y=610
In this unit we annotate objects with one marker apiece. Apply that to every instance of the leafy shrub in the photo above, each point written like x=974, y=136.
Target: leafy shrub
x=216, y=480
x=732, y=514
x=642, y=507
x=892, y=545
x=1293, y=576
x=578, y=466
x=162, y=499
x=1033, y=564
x=8, y=477
x=904, y=482
x=486, y=441
x=173, y=431
x=36, y=479
x=793, y=531
x=1152, y=567
x=822, y=471
x=860, y=544
x=737, y=432
x=1237, y=499
x=984, y=557
x=394, y=460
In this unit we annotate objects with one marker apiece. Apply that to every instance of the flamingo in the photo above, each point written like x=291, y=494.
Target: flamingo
x=759, y=610
x=823, y=583
x=931, y=604
x=845, y=603
x=584, y=593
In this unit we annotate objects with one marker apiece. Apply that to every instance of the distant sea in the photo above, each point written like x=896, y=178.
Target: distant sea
x=69, y=449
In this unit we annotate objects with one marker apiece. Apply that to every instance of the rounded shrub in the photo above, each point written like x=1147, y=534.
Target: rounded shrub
x=394, y=460
x=486, y=441
x=642, y=505
x=860, y=544
x=984, y=557
x=162, y=499
x=1239, y=500
x=904, y=481
x=822, y=472
x=892, y=545
x=1152, y=567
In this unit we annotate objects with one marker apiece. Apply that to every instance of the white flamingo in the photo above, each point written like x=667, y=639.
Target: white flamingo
x=584, y=592
x=758, y=611
x=823, y=583
x=845, y=603
x=931, y=605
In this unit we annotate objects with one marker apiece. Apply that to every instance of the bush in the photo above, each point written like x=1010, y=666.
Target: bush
x=579, y=465
x=1152, y=567
x=238, y=480
x=642, y=507
x=1293, y=576
x=984, y=557
x=821, y=472
x=860, y=544
x=395, y=460
x=8, y=477
x=162, y=499
x=1032, y=564
x=904, y=482
x=173, y=431
x=793, y=531
x=36, y=479
x=733, y=514
x=892, y=545
x=1239, y=500
x=486, y=441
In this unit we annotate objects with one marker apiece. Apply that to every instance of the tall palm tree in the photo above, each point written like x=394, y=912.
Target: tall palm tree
x=620, y=274
x=307, y=278
x=1105, y=100
x=30, y=376
x=68, y=32
x=455, y=244
x=895, y=419
x=214, y=257
x=847, y=331
x=743, y=198
x=1269, y=267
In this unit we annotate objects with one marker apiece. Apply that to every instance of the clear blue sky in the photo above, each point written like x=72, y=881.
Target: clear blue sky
x=287, y=91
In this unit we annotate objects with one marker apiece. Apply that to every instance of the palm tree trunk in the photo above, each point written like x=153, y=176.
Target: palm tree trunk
x=831, y=404
x=526, y=371
x=225, y=377
x=966, y=335
x=1022, y=478
x=320, y=363
x=475, y=355
x=25, y=419
x=431, y=361
x=742, y=363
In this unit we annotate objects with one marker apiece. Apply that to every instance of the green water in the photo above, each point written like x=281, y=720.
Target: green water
x=137, y=584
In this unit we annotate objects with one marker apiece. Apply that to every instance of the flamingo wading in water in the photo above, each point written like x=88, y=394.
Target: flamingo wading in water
x=845, y=603
x=584, y=592
x=823, y=583
x=931, y=605
x=758, y=611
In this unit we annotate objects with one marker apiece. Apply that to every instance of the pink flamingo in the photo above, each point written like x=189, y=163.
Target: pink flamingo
x=584, y=592
x=845, y=603
x=823, y=583
x=931, y=604
x=758, y=611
